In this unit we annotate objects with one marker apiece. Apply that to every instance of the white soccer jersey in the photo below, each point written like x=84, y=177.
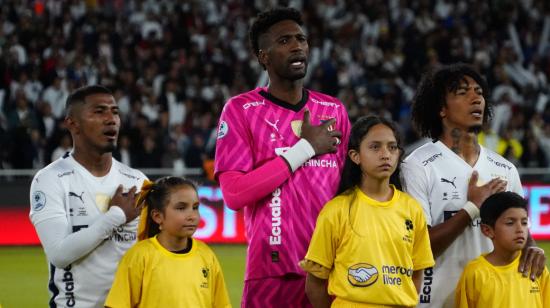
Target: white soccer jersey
x=438, y=179
x=82, y=237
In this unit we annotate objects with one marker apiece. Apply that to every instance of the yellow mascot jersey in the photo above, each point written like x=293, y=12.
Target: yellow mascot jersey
x=151, y=276
x=371, y=248
x=485, y=285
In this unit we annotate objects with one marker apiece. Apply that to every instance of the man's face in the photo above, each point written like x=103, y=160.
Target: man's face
x=464, y=107
x=96, y=123
x=284, y=50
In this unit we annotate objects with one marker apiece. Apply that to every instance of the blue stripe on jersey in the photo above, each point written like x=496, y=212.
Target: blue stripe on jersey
x=52, y=287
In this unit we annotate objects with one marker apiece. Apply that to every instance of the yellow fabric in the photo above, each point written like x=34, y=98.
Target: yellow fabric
x=485, y=285
x=315, y=269
x=371, y=248
x=143, y=228
x=151, y=276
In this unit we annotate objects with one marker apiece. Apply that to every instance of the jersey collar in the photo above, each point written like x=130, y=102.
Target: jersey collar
x=287, y=105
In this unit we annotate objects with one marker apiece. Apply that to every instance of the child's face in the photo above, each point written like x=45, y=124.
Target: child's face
x=510, y=231
x=378, y=153
x=180, y=217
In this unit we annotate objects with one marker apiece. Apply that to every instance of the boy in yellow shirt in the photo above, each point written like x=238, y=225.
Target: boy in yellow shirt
x=492, y=280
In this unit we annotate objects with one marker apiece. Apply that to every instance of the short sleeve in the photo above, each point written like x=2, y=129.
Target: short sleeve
x=415, y=183
x=422, y=256
x=126, y=288
x=465, y=293
x=325, y=239
x=220, y=297
x=233, y=144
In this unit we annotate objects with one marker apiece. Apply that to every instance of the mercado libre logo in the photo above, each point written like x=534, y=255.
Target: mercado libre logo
x=362, y=274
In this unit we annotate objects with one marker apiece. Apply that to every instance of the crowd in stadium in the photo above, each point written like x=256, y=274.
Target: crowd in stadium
x=173, y=64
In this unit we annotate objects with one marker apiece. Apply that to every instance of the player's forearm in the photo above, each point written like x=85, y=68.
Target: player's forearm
x=445, y=233
x=62, y=249
x=316, y=291
x=241, y=189
x=417, y=280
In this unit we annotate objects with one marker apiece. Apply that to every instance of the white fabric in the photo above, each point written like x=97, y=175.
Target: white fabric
x=82, y=238
x=438, y=179
x=298, y=154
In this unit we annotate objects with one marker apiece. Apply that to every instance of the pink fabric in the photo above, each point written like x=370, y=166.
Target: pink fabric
x=275, y=292
x=241, y=189
x=254, y=130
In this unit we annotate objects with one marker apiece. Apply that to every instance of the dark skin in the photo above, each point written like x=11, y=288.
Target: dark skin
x=283, y=52
x=462, y=113
x=94, y=126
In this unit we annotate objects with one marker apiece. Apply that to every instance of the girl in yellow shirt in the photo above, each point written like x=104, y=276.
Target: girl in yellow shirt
x=371, y=241
x=167, y=267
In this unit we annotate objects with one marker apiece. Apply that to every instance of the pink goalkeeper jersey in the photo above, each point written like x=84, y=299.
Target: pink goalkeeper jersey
x=255, y=128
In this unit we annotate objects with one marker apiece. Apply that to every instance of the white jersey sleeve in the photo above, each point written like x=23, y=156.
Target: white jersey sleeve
x=50, y=218
x=415, y=181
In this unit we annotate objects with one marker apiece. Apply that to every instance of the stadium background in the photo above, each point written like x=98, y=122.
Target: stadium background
x=173, y=64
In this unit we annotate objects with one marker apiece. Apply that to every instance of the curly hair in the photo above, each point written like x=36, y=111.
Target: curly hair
x=431, y=94
x=266, y=19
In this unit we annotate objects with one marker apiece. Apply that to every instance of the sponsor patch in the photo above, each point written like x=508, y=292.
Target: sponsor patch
x=38, y=201
x=223, y=129
x=362, y=275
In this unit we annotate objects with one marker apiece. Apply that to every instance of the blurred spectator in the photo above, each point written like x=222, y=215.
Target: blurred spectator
x=183, y=59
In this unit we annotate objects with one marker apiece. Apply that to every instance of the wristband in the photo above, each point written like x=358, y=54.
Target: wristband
x=298, y=154
x=471, y=209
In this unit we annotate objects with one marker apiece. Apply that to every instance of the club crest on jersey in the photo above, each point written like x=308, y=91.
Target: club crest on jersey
x=38, y=200
x=362, y=274
x=223, y=129
x=323, y=119
x=296, y=126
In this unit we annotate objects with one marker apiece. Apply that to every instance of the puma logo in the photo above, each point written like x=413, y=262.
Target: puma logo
x=72, y=194
x=274, y=125
x=444, y=180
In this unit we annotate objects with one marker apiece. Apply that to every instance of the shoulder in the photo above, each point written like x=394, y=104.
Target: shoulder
x=498, y=161
x=244, y=101
x=129, y=172
x=408, y=199
x=423, y=152
x=325, y=100
x=55, y=171
x=140, y=250
x=204, y=249
x=337, y=204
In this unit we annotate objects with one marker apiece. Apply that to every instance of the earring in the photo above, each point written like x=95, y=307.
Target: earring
x=160, y=227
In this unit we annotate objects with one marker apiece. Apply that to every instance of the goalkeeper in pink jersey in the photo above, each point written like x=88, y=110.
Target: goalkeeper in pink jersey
x=279, y=156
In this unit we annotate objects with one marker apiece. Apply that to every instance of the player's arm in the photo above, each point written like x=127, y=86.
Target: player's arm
x=316, y=291
x=243, y=188
x=417, y=279
x=61, y=245
x=444, y=234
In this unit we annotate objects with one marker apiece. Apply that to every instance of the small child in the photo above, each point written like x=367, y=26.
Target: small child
x=371, y=241
x=492, y=280
x=167, y=267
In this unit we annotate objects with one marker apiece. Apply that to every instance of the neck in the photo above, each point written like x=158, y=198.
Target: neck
x=98, y=164
x=378, y=190
x=499, y=257
x=286, y=90
x=172, y=243
x=463, y=143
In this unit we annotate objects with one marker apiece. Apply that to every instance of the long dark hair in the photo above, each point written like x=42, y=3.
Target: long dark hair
x=157, y=198
x=351, y=176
